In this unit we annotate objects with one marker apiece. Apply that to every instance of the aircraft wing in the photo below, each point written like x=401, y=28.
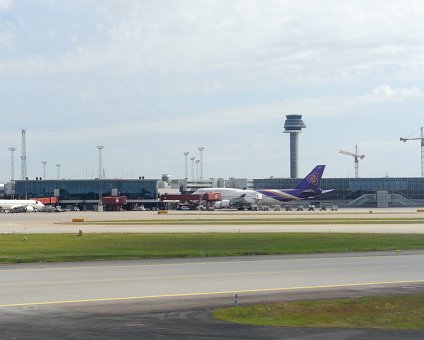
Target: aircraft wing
x=16, y=206
x=241, y=199
x=241, y=202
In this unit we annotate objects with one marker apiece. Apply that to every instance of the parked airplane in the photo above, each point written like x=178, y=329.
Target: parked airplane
x=239, y=198
x=20, y=205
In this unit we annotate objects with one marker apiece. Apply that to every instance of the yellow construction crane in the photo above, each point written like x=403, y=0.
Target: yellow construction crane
x=356, y=157
x=422, y=148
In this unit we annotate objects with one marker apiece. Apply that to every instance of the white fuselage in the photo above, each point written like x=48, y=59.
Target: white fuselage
x=253, y=196
x=307, y=188
x=16, y=204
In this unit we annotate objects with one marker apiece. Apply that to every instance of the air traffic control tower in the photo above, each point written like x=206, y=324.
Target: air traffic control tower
x=294, y=125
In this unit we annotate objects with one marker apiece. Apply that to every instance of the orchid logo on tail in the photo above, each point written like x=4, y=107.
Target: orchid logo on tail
x=313, y=178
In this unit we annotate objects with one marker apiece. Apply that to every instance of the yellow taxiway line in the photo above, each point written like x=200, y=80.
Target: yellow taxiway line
x=40, y=303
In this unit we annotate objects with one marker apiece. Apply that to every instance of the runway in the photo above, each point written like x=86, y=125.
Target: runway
x=163, y=299
x=180, y=290
x=41, y=284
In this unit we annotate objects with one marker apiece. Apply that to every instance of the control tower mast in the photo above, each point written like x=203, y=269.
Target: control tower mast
x=294, y=125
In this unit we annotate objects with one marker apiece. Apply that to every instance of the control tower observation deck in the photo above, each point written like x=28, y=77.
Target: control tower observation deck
x=294, y=125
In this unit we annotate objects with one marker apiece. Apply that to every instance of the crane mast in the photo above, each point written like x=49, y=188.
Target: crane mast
x=422, y=148
x=356, y=157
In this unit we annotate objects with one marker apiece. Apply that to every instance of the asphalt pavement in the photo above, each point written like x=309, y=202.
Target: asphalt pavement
x=180, y=320
x=174, y=299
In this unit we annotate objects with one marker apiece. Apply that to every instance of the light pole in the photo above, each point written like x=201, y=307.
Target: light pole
x=23, y=156
x=192, y=168
x=44, y=169
x=186, y=156
x=58, y=170
x=100, y=147
x=100, y=206
x=197, y=170
x=201, y=148
x=12, y=163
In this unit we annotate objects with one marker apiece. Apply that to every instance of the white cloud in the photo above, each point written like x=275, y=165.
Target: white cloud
x=385, y=92
x=167, y=67
x=5, y=40
x=243, y=42
x=215, y=120
x=6, y=5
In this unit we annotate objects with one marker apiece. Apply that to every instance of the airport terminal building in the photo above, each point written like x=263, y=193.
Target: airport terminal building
x=348, y=192
x=362, y=192
x=86, y=193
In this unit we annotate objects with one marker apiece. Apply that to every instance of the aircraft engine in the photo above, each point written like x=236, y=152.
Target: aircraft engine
x=222, y=204
x=28, y=208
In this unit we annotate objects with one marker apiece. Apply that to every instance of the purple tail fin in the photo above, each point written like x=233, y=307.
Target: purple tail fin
x=312, y=180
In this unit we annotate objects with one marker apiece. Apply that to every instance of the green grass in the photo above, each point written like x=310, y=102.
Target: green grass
x=386, y=312
x=110, y=246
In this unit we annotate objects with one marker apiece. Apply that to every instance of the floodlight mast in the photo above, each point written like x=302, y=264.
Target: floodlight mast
x=201, y=148
x=23, y=156
x=197, y=170
x=12, y=163
x=186, y=159
x=100, y=147
x=58, y=170
x=44, y=169
x=192, y=168
x=422, y=148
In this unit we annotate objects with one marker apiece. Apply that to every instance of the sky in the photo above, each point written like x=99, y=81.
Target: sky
x=150, y=80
